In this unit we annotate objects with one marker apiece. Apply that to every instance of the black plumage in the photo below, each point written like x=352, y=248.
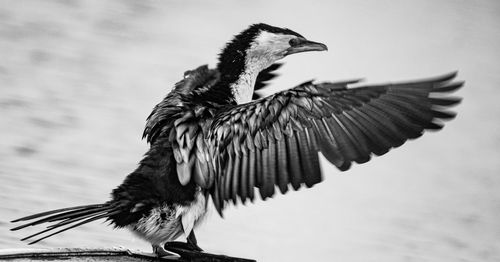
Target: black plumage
x=202, y=143
x=345, y=124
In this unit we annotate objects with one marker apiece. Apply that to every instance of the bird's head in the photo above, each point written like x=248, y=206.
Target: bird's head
x=252, y=51
x=260, y=45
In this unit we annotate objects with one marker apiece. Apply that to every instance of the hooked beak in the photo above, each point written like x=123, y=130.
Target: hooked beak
x=298, y=45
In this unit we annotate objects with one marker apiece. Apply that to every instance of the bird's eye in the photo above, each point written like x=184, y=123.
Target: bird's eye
x=294, y=41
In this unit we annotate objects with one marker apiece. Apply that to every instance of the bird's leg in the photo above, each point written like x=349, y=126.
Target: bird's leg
x=160, y=251
x=191, y=245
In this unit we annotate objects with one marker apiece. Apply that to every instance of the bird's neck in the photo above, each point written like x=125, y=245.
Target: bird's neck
x=239, y=76
x=242, y=89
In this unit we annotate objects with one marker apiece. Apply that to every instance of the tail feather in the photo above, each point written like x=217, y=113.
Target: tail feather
x=78, y=217
x=72, y=216
x=76, y=213
x=53, y=212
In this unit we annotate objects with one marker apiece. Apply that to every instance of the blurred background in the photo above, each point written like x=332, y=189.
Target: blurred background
x=79, y=78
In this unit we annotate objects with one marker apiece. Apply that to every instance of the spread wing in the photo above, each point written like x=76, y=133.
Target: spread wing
x=275, y=141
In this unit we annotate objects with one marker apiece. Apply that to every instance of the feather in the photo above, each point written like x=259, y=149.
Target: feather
x=243, y=186
x=294, y=161
x=67, y=228
x=74, y=219
x=184, y=171
x=406, y=127
x=271, y=177
x=61, y=214
x=67, y=216
x=446, y=115
x=250, y=143
x=415, y=111
x=309, y=174
x=252, y=167
x=61, y=210
x=356, y=138
x=346, y=146
x=177, y=155
x=448, y=101
x=282, y=166
x=236, y=179
x=216, y=198
x=380, y=129
x=386, y=126
x=259, y=172
x=448, y=88
x=258, y=140
x=201, y=173
x=315, y=176
x=266, y=185
x=375, y=141
x=327, y=144
x=433, y=126
x=227, y=178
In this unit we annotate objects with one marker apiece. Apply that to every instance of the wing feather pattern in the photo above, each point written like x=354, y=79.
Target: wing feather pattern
x=273, y=142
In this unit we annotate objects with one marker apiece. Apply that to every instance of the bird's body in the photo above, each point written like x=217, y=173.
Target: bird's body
x=209, y=140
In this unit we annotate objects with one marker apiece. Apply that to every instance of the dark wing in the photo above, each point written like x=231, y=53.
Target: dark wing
x=198, y=80
x=274, y=141
x=263, y=78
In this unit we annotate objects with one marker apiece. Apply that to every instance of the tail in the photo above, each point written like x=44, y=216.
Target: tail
x=70, y=217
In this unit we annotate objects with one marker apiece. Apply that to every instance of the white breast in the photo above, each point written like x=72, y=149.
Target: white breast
x=167, y=223
x=159, y=226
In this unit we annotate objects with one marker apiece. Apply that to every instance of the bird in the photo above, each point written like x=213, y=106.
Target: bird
x=216, y=138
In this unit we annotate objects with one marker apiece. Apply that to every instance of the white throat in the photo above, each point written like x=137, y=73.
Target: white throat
x=243, y=88
x=265, y=50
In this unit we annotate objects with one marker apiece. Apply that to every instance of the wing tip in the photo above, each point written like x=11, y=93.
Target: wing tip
x=345, y=166
x=446, y=77
x=449, y=76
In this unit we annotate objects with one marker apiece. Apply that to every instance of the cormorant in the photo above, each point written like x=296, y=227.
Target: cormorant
x=212, y=138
